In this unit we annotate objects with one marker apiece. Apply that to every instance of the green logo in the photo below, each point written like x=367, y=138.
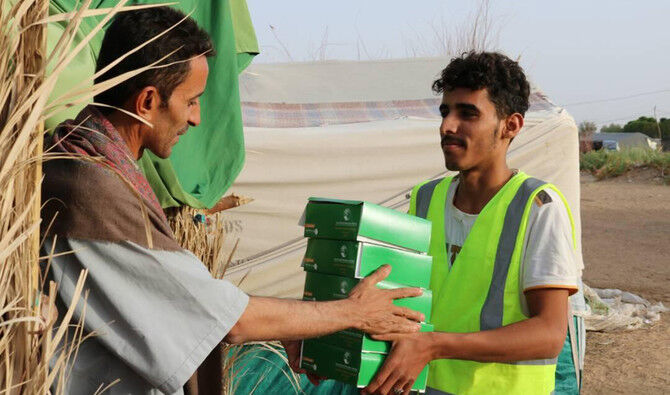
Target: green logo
x=343, y=287
x=347, y=214
x=347, y=358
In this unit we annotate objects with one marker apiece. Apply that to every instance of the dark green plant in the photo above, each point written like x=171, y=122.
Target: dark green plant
x=648, y=126
x=606, y=164
x=611, y=128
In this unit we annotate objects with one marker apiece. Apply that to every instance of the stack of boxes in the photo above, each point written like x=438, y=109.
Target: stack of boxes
x=349, y=240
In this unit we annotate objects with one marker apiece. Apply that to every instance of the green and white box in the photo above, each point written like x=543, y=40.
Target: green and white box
x=358, y=341
x=347, y=366
x=355, y=259
x=362, y=221
x=321, y=287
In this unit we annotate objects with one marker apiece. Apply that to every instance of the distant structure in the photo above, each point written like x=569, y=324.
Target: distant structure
x=665, y=144
x=618, y=141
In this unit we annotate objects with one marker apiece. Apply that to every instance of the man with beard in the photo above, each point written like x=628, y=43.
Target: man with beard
x=155, y=310
x=503, y=247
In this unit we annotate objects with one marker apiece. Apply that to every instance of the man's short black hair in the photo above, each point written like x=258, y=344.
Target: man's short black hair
x=129, y=30
x=502, y=77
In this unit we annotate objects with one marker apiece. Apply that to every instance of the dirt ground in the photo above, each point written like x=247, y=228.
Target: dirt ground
x=626, y=245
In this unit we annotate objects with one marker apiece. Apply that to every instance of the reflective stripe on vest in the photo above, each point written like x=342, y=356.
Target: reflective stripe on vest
x=492, y=313
x=423, y=197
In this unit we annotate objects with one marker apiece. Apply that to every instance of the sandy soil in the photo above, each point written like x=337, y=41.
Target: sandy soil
x=626, y=245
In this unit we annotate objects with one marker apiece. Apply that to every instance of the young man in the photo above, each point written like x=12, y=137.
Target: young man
x=503, y=246
x=156, y=311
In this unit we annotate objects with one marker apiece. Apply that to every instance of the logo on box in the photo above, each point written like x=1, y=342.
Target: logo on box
x=343, y=251
x=343, y=288
x=346, y=215
x=346, y=358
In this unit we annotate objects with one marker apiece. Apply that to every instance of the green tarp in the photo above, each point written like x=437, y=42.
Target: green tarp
x=209, y=157
x=82, y=65
x=258, y=370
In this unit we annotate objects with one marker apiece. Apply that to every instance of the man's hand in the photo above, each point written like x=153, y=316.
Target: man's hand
x=409, y=354
x=292, y=348
x=367, y=308
x=375, y=310
x=539, y=337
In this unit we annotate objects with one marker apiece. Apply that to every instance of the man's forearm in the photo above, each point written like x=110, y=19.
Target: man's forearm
x=286, y=319
x=366, y=308
x=526, y=340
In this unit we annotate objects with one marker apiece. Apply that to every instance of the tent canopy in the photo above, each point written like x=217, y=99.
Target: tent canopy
x=355, y=130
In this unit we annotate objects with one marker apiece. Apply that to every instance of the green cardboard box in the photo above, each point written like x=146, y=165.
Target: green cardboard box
x=320, y=287
x=357, y=341
x=356, y=259
x=362, y=221
x=345, y=365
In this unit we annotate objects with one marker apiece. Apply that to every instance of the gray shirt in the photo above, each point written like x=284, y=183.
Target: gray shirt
x=156, y=314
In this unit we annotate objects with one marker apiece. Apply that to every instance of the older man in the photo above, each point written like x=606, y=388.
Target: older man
x=155, y=309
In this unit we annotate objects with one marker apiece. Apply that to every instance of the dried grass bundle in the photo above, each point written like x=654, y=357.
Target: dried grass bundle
x=28, y=339
x=203, y=232
x=203, y=235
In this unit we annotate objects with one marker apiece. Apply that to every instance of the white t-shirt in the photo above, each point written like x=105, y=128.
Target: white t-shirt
x=548, y=259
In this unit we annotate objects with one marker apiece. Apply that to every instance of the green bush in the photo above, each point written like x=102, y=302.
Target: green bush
x=611, y=128
x=648, y=126
x=605, y=164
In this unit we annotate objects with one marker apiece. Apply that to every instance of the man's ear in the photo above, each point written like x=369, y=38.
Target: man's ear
x=147, y=102
x=513, y=125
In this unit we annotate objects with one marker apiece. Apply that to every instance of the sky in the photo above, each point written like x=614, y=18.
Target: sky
x=604, y=61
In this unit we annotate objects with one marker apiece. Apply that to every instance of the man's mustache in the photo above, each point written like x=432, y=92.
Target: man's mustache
x=452, y=140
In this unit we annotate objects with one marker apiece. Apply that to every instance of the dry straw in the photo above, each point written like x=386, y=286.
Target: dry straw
x=204, y=237
x=28, y=338
x=203, y=232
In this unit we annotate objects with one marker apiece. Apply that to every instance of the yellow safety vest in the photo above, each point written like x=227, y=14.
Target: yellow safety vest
x=481, y=290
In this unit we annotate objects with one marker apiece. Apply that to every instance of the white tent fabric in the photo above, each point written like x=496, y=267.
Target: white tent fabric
x=340, y=81
x=378, y=160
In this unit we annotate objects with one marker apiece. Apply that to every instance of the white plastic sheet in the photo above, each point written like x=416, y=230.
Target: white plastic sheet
x=615, y=310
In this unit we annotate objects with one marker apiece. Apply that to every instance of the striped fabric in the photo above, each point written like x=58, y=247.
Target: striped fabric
x=299, y=115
